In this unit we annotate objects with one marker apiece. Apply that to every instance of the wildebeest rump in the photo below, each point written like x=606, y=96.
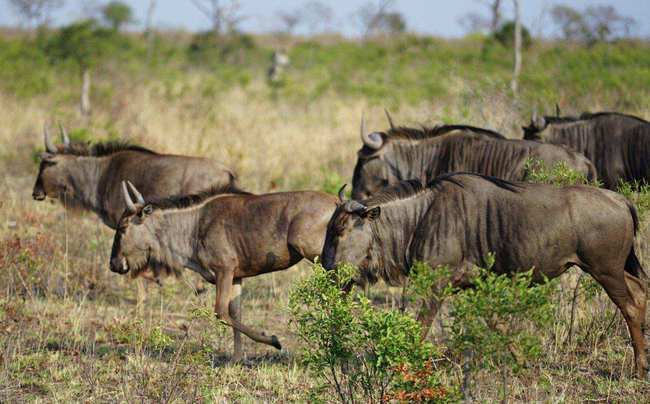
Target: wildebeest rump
x=617, y=144
x=460, y=218
x=405, y=153
x=89, y=177
x=224, y=238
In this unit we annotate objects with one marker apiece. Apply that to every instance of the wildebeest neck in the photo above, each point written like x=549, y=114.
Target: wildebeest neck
x=84, y=175
x=393, y=233
x=177, y=232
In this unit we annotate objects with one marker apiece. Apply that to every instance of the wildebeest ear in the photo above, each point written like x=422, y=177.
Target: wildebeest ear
x=372, y=213
x=147, y=210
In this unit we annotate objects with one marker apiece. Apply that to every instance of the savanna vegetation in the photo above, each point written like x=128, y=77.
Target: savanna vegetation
x=71, y=331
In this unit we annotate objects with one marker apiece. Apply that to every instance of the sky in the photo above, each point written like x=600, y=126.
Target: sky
x=434, y=17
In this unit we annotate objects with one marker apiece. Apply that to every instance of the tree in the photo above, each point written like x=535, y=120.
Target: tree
x=505, y=35
x=224, y=18
x=35, y=12
x=517, y=34
x=377, y=19
x=84, y=43
x=117, y=14
x=475, y=22
x=595, y=24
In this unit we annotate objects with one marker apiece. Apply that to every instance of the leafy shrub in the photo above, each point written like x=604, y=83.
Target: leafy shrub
x=639, y=194
x=494, y=323
x=560, y=174
x=361, y=352
x=505, y=35
x=207, y=48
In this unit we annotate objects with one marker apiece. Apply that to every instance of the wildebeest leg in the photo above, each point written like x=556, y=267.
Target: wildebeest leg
x=628, y=292
x=224, y=283
x=460, y=278
x=426, y=315
x=235, y=313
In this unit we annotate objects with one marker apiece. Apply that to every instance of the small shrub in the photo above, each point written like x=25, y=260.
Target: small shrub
x=639, y=195
x=494, y=323
x=426, y=283
x=361, y=352
x=560, y=174
x=158, y=340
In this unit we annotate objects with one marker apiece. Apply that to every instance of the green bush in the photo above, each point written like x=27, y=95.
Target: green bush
x=360, y=352
x=495, y=323
x=505, y=35
x=639, y=195
x=560, y=174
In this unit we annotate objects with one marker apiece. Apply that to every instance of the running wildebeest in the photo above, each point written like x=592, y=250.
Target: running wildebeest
x=617, y=144
x=405, y=153
x=88, y=177
x=459, y=218
x=222, y=237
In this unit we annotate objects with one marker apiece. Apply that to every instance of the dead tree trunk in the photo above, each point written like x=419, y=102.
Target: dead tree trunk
x=85, y=92
x=147, y=29
x=517, y=67
x=496, y=15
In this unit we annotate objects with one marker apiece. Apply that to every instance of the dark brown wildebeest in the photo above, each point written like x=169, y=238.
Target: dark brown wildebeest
x=459, y=218
x=405, y=153
x=88, y=177
x=617, y=144
x=223, y=237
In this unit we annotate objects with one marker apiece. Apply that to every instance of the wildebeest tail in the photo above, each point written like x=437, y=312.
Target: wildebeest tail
x=633, y=266
x=592, y=175
x=635, y=215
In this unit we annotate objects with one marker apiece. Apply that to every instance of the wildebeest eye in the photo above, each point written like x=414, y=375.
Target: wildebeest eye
x=147, y=210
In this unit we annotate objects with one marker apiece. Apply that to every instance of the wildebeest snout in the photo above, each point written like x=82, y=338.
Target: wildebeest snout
x=38, y=193
x=119, y=265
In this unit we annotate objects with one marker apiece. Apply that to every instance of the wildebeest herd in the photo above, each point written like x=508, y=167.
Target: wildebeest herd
x=449, y=195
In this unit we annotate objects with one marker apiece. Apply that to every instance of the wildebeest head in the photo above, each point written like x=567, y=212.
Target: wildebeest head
x=51, y=180
x=349, y=235
x=135, y=237
x=372, y=172
x=534, y=130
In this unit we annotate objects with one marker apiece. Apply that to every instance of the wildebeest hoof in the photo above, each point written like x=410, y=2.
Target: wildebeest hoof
x=275, y=342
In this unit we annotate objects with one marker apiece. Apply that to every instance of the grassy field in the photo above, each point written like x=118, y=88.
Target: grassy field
x=70, y=330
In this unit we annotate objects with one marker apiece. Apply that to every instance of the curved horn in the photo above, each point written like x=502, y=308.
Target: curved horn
x=390, y=120
x=534, y=117
x=130, y=206
x=64, y=136
x=557, y=110
x=371, y=141
x=354, y=207
x=49, y=146
x=342, y=193
x=135, y=192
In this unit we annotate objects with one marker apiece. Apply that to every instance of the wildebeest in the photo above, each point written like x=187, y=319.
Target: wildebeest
x=88, y=177
x=459, y=218
x=223, y=237
x=406, y=153
x=617, y=144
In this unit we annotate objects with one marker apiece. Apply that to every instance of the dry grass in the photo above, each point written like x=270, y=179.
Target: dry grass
x=70, y=331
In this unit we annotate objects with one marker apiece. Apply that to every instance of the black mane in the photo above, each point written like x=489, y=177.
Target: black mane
x=401, y=190
x=406, y=189
x=585, y=116
x=431, y=132
x=103, y=149
x=186, y=201
x=449, y=177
